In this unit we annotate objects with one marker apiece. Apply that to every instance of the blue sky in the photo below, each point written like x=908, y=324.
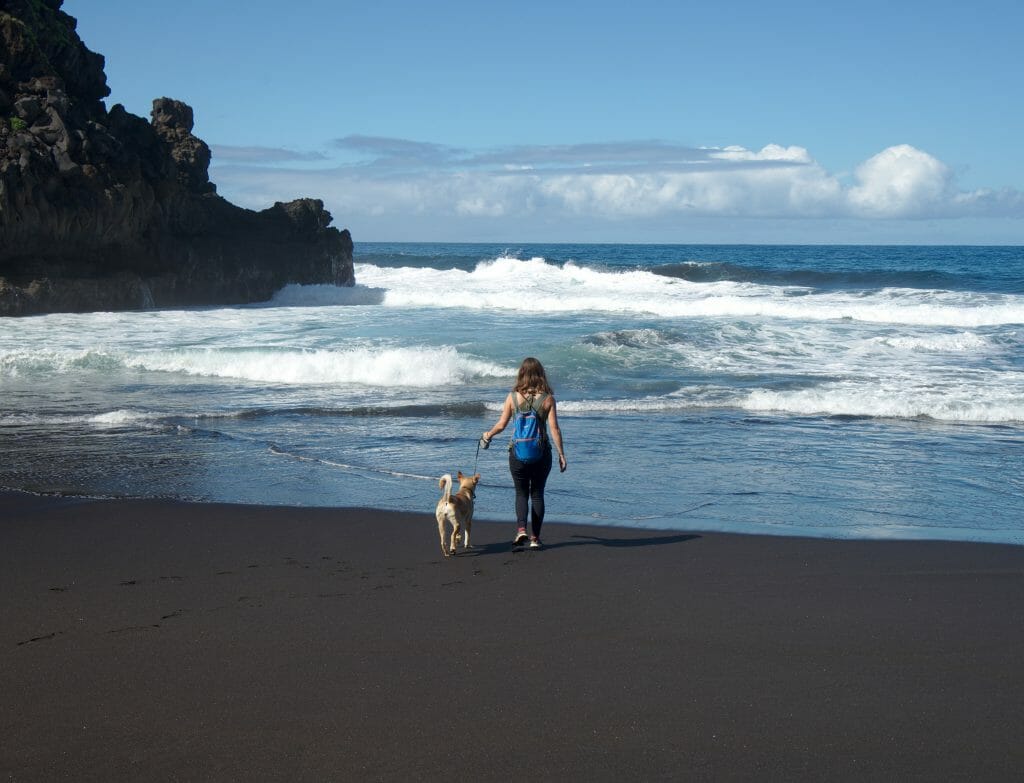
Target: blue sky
x=785, y=122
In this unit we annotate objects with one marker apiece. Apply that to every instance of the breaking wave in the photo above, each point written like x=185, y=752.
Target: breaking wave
x=407, y=367
x=534, y=285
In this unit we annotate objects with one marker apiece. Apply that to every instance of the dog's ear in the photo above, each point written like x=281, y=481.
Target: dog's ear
x=461, y=476
x=477, y=477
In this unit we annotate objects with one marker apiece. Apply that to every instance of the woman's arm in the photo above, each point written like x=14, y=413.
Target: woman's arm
x=556, y=434
x=502, y=423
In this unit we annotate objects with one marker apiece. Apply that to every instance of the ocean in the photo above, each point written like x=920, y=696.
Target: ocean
x=836, y=391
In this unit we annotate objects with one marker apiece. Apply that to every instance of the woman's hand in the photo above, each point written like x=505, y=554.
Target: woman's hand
x=562, y=464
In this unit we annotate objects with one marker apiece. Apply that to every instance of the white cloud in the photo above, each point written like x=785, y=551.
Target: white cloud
x=643, y=181
x=902, y=181
x=262, y=155
x=798, y=186
x=769, y=152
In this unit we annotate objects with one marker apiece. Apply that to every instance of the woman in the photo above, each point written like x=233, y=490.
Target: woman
x=531, y=390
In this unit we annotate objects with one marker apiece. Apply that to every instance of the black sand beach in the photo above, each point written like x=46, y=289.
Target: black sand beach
x=152, y=640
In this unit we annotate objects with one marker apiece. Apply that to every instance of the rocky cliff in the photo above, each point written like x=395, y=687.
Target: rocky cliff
x=102, y=210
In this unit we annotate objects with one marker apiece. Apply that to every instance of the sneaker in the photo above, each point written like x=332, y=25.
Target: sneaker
x=520, y=536
x=534, y=543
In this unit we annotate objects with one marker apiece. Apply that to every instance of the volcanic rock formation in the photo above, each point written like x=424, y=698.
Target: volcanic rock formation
x=101, y=210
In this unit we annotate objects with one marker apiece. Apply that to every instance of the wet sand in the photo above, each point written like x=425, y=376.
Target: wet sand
x=155, y=640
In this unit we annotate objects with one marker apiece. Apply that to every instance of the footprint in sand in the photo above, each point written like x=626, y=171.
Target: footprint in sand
x=40, y=638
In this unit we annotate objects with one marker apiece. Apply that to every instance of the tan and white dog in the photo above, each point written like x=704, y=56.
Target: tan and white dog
x=457, y=509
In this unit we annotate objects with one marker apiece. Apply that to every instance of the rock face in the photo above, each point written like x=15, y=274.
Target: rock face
x=101, y=210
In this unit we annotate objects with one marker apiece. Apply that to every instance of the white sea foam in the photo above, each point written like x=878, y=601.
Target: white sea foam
x=115, y=418
x=962, y=342
x=121, y=417
x=869, y=401
x=821, y=403
x=918, y=356
x=325, y=295
x=413, y=367
x=642, y=405
x=15, y=364
x=534, y=285
x=998, y=403
x=367, y=366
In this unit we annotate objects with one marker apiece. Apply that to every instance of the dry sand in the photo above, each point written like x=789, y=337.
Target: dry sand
x=152, y=640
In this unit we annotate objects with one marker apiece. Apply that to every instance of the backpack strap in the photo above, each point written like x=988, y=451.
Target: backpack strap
x=534, y=401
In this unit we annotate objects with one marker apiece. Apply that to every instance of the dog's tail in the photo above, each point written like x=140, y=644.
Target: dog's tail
x=445, y=483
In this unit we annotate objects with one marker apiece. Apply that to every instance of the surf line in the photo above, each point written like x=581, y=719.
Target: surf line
x=275, y=449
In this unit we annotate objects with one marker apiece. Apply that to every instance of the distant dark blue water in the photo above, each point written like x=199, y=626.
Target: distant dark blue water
x=840, y=391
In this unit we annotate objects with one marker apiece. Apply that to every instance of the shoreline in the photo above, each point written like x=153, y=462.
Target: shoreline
x=492, y=517
x=154, y=639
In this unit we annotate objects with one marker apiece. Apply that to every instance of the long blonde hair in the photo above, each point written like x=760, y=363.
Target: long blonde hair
x=531, y=377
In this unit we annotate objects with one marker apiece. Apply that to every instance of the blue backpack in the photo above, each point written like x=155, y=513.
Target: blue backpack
x=529, y=440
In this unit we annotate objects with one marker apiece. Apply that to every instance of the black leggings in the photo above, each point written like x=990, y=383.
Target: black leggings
x=529, y=481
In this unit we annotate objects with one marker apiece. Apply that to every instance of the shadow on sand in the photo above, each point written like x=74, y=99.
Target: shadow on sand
x=583, y=540
x=625, y=543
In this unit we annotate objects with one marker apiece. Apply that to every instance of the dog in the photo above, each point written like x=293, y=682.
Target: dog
x=456, y=509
